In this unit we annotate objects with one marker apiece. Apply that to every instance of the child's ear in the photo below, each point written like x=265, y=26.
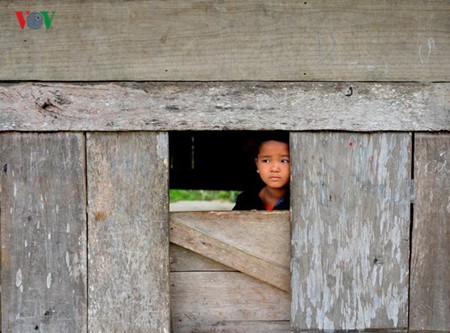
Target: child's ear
x=256, y=163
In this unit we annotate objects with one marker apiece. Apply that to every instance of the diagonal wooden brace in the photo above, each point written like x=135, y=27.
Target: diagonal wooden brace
x=213, y=246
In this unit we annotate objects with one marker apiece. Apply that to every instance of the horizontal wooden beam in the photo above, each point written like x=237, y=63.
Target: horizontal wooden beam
x=297, y=106
x=220, y=302
x=360, y=40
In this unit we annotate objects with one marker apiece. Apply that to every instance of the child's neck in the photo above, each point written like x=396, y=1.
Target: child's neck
x=270, y=196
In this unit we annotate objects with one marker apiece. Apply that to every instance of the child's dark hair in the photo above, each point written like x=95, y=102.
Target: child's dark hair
x=280, y=136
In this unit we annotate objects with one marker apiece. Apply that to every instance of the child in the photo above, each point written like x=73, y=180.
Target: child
x=273, y=166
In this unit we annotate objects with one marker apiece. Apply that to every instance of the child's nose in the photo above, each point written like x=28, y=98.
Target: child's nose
x=275, y=167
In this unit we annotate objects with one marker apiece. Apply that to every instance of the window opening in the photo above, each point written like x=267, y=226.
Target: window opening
x=208, y=169
x=215, y=255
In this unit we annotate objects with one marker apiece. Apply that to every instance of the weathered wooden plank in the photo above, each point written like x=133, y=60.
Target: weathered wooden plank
x=184, y=260
x=360, y=40
x=430, y=263
x=350, y=236
x=225, y=106
x=234, y=228
x=246, y=326
x=43, y=232
x=226, y=302
x=379, y=330
x=128, y=232
x=224, y=237
x=426, y=331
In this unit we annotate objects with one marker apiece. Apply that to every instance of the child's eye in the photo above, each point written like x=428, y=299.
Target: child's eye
x=285, y=161
x=265, y=160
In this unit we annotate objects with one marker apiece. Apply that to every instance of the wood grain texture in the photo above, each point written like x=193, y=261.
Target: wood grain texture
x=128, y=232
x=430, y=264
x=236, y=326
x=350, y=230
x=226, y=302
x=43, y=232
x=239, y=240
x=232, y=40
x=184, y=260
x=225, y=106
x=425, y=331
x=380, y=330
x=206, y=296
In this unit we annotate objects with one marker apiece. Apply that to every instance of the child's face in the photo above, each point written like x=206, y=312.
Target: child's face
x=273, y=164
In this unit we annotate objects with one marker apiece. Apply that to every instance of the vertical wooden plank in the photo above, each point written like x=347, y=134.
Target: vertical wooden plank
x=350, y=227
x=128, y=232
x=43, y=232
x=430, y=262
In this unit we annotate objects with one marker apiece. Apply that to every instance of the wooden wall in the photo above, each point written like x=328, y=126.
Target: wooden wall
x=213, y=40
x=73, y=210
x=85, y=232
x=364, y=88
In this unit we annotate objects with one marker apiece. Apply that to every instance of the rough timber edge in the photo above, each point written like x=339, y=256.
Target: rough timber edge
x=178, y=106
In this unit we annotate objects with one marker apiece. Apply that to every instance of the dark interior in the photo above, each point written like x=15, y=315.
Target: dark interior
x=213, y=160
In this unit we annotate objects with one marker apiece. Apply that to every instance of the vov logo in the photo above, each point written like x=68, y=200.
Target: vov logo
x=34, y=20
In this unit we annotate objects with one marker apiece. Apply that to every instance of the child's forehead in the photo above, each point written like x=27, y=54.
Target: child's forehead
x=272, y=146
x=274, y=143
